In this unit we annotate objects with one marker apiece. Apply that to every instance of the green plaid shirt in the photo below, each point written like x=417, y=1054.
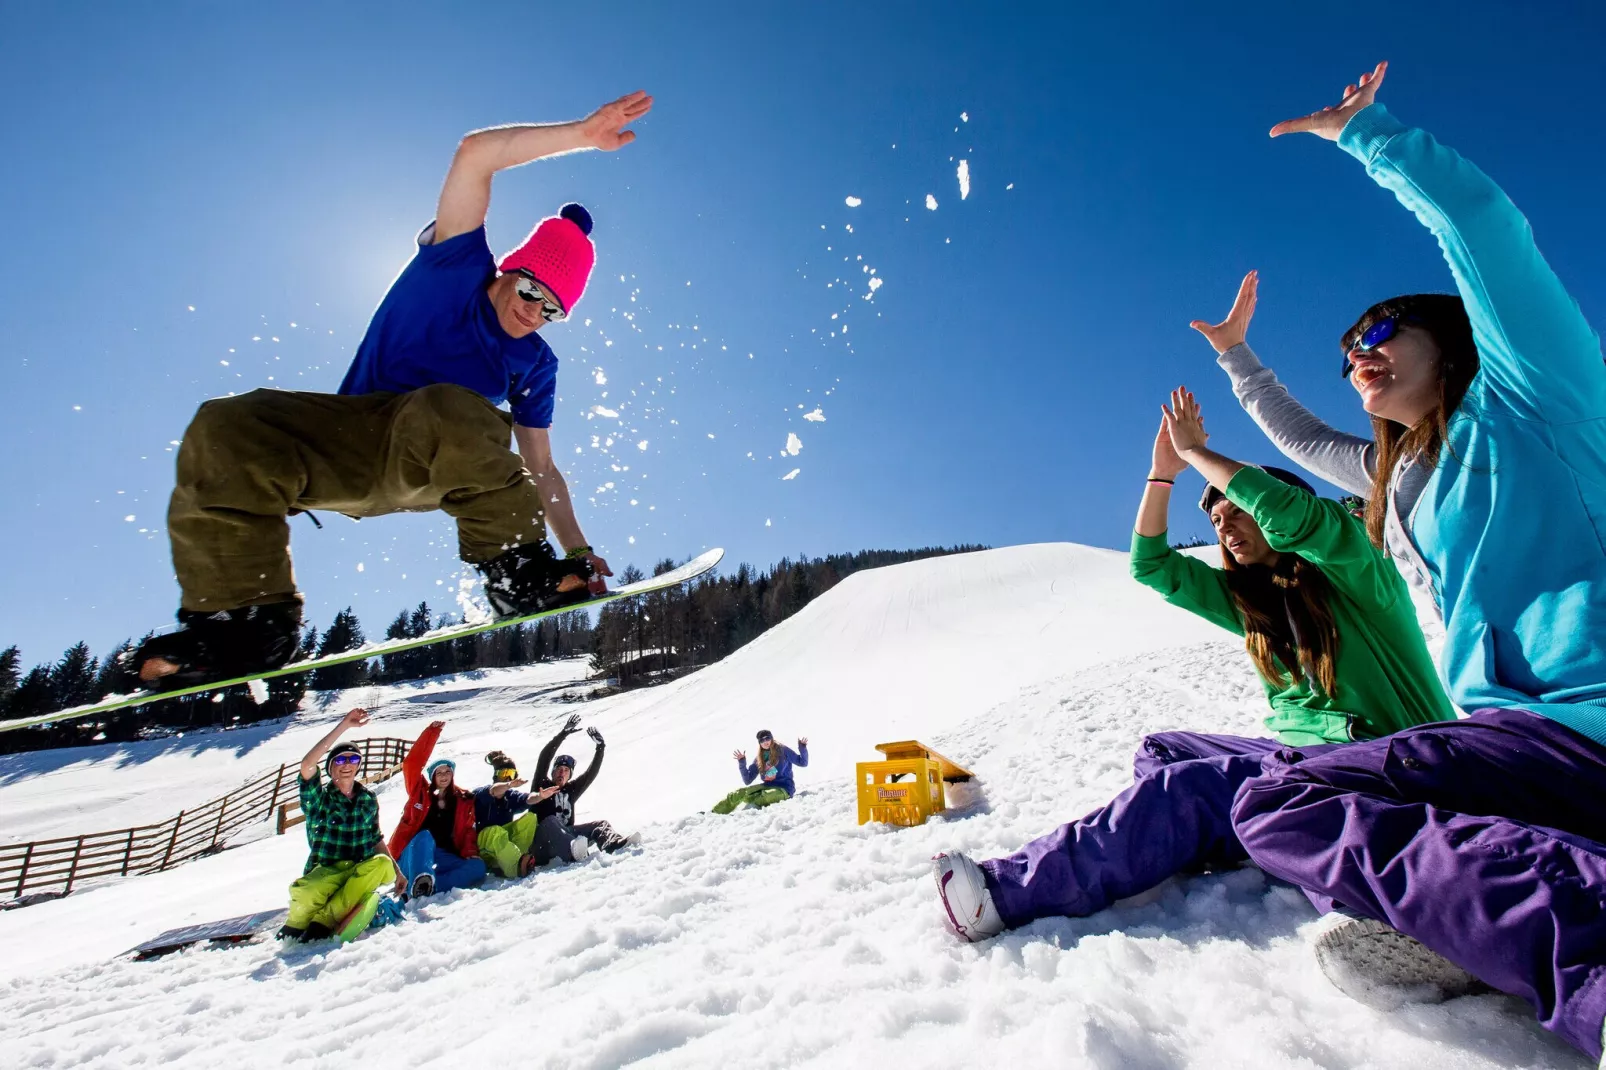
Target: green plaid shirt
x=339, y=829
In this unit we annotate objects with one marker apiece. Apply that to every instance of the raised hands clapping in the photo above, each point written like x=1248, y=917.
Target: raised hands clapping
x=1329, y=122
x=1232, y=330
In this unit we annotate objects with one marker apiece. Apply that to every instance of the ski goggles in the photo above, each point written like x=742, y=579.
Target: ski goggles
x=347, y=758
x=765, y=738
x=504, y=776
x=1374, y=336
x=529, y=290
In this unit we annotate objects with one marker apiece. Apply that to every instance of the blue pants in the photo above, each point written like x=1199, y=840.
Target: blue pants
x=1176, y=816
x=449, y=870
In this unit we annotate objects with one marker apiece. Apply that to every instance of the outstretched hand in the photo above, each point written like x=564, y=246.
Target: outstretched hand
x=605, y=128
x=739, y=755
x=572, y=724
x=1232, y=330
x=1184, y=422
x=1329, y=122
x=355, y=718
x=1165, y=463
x=596, y=736
x=802, y=741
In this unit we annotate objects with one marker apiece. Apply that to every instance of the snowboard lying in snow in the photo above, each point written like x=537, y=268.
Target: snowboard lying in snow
x=374, y=912
x=690, y=570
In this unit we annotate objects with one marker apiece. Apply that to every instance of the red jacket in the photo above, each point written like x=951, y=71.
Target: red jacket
x=420, y=798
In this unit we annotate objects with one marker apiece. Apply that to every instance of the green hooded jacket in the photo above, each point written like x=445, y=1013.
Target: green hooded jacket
x=1386, y=680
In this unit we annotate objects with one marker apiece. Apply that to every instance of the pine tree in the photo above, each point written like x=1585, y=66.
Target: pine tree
x=114, y=677
x=73, y=678
x=34, y=695
x=10, y=664
x=344, y=633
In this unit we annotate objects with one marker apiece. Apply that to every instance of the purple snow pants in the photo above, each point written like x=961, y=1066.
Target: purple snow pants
x=1177, y=815
x=1400, y=829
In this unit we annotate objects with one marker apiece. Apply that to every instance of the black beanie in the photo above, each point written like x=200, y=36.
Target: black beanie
x=1212, y=495
x=340, y=748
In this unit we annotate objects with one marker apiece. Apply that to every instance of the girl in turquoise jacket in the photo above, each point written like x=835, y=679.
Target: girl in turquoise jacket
x=1483, y=839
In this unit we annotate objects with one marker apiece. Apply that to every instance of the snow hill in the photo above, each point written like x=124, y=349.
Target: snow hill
x=787, y=936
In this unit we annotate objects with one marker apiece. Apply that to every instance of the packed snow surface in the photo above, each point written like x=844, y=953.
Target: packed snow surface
x=778, y=937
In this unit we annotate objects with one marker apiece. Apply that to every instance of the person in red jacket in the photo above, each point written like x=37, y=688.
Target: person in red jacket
x=435, y=844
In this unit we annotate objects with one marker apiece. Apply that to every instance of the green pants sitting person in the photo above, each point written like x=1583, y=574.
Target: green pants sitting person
x=338, y=892
x=772, y=768
x=506, y=818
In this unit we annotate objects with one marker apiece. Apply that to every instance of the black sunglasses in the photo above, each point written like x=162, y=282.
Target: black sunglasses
x=527, y=289
x=1374, y=336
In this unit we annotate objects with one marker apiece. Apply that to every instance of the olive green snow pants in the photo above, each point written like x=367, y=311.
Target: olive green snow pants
x=247, y=462
x=327, y=894
x=756, y=796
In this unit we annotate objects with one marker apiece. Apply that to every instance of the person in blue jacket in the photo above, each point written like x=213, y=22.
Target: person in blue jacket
x=1482, y=840
x=772, y=768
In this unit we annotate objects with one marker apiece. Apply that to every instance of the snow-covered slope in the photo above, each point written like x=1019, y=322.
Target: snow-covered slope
x=788, y=936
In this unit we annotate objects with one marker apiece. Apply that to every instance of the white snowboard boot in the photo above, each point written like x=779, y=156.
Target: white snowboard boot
x=1380, y=966
x=580, y=848
x=966, y=902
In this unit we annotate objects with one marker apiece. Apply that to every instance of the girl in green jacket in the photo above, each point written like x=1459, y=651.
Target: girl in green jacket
x=1330, y=626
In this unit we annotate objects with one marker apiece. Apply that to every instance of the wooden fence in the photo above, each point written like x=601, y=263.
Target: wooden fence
x=59, y=865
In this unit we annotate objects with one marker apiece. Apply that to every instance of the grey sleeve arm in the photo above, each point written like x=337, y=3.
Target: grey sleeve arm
x=1342, y=459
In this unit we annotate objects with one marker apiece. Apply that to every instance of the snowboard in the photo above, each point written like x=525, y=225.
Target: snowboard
x=689, y=571
x=228, y=931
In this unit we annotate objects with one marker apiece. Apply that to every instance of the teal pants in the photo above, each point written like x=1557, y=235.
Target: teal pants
x=756, y=796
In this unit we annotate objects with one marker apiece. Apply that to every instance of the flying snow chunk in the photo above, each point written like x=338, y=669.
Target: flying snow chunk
x=602, y=411
x=129, y=518
x=792, y=474
x=642, y=445
x=964, y=179
x=853, y=202
x=766, y=523
x=931, y=203
x=794, y=446
x=258, y=689
x=597, y=374
x=964, y=116
x=815, y=417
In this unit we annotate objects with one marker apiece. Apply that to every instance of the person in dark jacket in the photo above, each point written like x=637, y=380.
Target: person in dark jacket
x=435, y=844
x=772, y=768
x=557, y=836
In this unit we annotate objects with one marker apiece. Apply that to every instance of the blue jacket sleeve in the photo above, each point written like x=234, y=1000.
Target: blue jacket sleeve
x=800, y=757
x=1538, y=353
x=748, y=771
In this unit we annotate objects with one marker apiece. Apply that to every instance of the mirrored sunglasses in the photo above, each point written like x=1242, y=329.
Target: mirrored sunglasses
x=346, y=759
x=1374, y=336
x=528, y=290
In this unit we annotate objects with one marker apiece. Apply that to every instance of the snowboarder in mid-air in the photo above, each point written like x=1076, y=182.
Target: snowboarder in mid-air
x=415, y=426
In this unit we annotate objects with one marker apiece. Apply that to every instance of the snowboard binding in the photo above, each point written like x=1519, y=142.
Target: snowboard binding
x=218, y=646
x=531, y=579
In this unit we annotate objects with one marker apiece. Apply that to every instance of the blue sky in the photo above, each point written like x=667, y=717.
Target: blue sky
x=269, y=167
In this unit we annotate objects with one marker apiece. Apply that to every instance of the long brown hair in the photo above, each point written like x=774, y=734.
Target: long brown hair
x=1444, y=317
x=773, y=755
x=1287, y=617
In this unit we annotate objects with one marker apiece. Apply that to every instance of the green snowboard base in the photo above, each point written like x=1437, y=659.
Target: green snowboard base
x=355, y=924
x=690, y=570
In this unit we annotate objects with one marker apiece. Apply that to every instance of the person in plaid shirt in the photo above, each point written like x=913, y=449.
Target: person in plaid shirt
x=348, y=861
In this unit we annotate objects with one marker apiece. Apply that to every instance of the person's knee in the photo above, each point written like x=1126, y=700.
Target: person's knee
x=1260, y=797
x=457, y=409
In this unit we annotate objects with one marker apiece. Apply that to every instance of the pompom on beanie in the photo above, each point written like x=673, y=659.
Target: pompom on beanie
x=558, y=254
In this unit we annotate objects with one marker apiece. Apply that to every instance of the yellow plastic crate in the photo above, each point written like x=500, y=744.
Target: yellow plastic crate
x=908, y=786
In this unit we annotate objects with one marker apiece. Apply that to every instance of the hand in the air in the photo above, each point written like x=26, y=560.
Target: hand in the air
x=740, y=755
x=1184, y=422
x=354, y=718
x=596, y=737
x=1329, y=122
x=1165, y=463
x=802, y=741
x=1232, y=330
x=572, y=724
x=605, y=128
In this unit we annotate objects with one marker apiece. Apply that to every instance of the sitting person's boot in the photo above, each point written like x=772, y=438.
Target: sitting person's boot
x=219, y=646
x=531, y=579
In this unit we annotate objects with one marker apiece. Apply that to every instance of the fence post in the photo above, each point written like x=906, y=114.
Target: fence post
x=128, y=851
x=72, y=870
x=22, y=877
x=223, y=808
x=277, y=781
x=171, y=840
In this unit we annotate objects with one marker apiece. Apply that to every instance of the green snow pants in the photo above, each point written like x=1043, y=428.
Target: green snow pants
x=247, y=462
x=755, y=796
x=503, y=845
x=327, y=894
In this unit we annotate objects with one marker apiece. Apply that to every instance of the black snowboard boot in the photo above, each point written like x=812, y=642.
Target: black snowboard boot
x=525, y=580
x=219, y=646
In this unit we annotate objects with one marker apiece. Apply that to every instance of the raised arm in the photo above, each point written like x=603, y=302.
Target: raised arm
x=583, y=781
x=1536, y=350
x=535, y=446
x=466, y=194
x=543, y=764
x=309, y=763
x=1179, y=579
x=1342, y=459
x=418, y=754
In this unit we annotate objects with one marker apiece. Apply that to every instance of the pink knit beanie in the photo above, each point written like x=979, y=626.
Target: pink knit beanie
x=558, y=253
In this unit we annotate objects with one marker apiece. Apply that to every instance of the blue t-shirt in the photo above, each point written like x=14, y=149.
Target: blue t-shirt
x=437, y=325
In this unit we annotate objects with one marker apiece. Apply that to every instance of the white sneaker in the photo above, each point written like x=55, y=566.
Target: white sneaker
x=580, y=848
x=1378, y=965
x=965, y=898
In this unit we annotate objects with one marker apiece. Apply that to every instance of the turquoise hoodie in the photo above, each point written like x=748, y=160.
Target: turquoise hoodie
x=1512, y=522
